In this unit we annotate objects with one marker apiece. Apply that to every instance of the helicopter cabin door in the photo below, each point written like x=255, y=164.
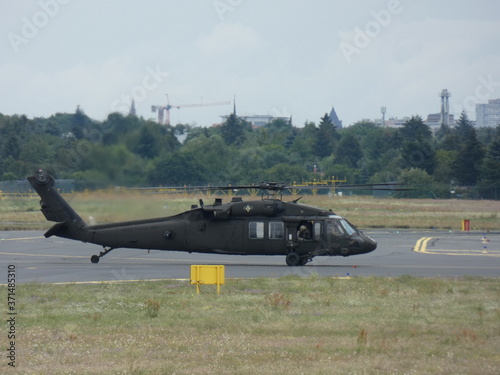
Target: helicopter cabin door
x=303, y=235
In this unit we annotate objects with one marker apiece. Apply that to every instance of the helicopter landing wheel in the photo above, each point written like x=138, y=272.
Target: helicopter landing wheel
x=293, y=259
x=94, y=258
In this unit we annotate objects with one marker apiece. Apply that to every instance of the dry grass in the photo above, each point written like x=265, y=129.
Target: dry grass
x=364, y=211
x=413, y=213
x=267, y=326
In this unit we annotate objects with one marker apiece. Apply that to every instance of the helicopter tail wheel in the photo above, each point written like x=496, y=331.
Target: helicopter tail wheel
x=293, y=259
x=95, y=258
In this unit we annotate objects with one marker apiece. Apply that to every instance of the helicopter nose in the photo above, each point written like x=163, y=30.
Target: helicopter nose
x=369, y=244
x=362, y=244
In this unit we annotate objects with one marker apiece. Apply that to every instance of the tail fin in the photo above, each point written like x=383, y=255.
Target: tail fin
x=55, y=208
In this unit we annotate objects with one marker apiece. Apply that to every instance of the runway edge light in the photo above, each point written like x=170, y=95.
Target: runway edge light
x=207, y=275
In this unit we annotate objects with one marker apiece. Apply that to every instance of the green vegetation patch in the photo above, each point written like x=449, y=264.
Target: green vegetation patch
x=290, y=325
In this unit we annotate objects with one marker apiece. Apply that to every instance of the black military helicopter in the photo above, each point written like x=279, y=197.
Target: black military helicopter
x=269, y=226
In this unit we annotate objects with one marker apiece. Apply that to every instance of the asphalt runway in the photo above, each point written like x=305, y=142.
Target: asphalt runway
x=417, y=253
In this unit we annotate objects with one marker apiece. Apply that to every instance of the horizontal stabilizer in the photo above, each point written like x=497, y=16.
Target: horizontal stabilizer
x=53, y=215
x=55, y=229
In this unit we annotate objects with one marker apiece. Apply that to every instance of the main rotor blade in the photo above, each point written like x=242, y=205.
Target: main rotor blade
x=278, y=186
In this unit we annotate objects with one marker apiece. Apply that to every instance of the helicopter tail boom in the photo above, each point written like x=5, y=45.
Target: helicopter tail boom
x=55, y=208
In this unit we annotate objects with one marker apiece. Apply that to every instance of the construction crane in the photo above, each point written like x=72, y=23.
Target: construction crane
x=166, y=108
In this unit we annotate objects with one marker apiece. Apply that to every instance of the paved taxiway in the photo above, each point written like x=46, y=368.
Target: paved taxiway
x=416, y=253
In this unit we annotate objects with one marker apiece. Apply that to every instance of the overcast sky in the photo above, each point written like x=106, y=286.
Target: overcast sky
x=279, y=57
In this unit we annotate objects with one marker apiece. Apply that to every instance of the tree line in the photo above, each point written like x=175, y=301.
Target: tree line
x=132, y=151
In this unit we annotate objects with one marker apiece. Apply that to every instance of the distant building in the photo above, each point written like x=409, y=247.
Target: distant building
x=392, y=122
x=488, y=115
x=335, y=119
x=259, y=121
x=132, y=111
x=434, y=120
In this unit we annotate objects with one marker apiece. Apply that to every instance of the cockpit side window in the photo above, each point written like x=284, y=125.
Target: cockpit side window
x=335, y=229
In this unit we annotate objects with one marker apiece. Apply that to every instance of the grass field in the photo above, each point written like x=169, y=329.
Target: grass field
x=290, y=325
x=363, y=211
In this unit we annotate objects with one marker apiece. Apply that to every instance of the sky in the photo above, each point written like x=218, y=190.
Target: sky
x=275, y=57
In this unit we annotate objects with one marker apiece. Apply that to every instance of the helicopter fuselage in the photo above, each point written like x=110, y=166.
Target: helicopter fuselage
x=260, y=227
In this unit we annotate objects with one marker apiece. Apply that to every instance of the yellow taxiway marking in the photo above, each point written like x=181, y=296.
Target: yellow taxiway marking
x=46, y=255
x=421, y=247
x=88, y=257
x=21, y=238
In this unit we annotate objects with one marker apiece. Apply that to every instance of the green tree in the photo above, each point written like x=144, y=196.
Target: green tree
x=450, y=141
x=178, y=169
x=464, y=127
x=417, y=150
x=117, y=128
x=279, y=131
x=467, y=163
x=214, y=156
x=305, y=140
x=10, y=147
x=234, y=129
x=147, y=146
x=286, y=173
x=490, y=169
x=36, y=152
x=418, y=154
x=247, y=165
x=443, y=131
x=349, y=151
x=444, y=172
x=415, y=129
x=78, y=122
x=151, y=140
x=325, y=137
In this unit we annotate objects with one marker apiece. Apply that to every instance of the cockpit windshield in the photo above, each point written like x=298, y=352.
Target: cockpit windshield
x=348, y=228
x=338, y=228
